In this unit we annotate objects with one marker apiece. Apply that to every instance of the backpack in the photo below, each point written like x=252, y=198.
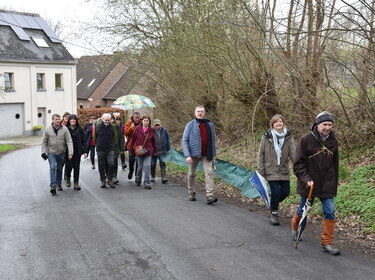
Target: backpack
x=96, y=126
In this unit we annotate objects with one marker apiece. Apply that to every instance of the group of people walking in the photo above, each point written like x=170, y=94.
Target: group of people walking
x=315, y=160
x=65, y=141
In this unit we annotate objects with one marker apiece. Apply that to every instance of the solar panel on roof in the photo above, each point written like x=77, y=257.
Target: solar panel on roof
x=2, y=20
x=48, y=30
x=32, y=23
x=20, y=33
x=18, y=22
x=22, y=21
x=9, y=19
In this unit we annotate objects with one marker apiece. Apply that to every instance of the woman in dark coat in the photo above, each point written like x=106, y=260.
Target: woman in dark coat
x=80, y=147
x=142, y=132
x=317, y=164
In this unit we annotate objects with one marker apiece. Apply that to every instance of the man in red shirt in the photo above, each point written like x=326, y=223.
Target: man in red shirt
x=199, y=145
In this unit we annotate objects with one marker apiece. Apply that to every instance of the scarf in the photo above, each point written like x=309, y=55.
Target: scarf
x=278, y=141
x=209, y=138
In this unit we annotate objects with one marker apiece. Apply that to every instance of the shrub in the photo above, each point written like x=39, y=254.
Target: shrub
x=37, y=127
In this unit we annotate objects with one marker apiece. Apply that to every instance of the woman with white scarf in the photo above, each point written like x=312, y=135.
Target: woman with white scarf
x=276, y=148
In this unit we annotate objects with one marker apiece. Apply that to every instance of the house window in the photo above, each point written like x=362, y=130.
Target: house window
x=59, y=81
x=40, y=42
x=40, y=81
x=9, y=81
x=80, y=80
x=90, y=84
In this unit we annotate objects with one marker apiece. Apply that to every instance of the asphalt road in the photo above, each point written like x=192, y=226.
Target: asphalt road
x=133, y=233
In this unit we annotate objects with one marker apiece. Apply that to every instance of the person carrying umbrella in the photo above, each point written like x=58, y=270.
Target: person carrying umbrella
x=276, y=148
x=317, y=164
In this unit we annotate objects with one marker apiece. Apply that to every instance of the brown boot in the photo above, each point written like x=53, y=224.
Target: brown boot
x=295, y=223
x=327, y=237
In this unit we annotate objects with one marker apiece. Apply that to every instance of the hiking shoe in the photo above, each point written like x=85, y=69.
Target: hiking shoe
x=212, y=200
x=68, y=183
x=53, y=190
x=148, y=187
x=93, y=166
x=330, y=250
x=274, y=220
x=103, y=184
x=77, y=187
x=164, y=181
x=124, y=166
x=59, y=188
x=152, y=179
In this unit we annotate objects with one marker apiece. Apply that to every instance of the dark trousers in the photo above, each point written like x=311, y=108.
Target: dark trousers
x=92, y=154
x=131, y=165
x=154, y=161
x=122, y=158
x=279, y=191
x=115, y=165
x=74, y=163
x=105, y=164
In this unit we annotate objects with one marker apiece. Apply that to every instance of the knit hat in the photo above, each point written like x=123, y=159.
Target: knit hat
x=157, y=122
x=73, y=116
x=323, y=117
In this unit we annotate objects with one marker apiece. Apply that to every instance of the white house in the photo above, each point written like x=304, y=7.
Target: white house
x=37, y=74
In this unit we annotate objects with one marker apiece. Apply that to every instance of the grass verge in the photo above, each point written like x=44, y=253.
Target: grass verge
x=7, y=147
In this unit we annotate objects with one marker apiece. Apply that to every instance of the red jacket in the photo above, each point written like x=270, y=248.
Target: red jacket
x=139, y=137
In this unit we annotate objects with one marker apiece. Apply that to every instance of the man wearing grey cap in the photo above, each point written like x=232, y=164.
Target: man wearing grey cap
x=317, y=164
x=162, y=142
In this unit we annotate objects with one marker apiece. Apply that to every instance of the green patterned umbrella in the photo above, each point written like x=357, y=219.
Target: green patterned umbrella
x=132, y=101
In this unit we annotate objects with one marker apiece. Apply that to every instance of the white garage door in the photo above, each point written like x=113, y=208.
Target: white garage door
x=11, y=116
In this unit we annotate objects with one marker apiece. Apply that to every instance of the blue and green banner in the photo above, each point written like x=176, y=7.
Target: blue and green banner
x=234, y=175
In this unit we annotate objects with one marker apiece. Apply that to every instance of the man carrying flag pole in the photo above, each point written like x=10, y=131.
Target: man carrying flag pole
x=317, y=164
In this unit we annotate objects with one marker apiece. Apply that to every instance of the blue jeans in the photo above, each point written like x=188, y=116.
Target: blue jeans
x=146, y=163
x=56, y=162
x=279, y=191
x=328, y=206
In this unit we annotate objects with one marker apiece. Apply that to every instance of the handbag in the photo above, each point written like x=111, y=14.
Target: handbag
x=141, y=150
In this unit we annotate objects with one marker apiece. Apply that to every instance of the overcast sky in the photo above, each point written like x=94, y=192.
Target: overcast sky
x=70, y=13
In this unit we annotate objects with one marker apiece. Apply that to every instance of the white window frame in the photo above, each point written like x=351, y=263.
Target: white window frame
x=11, y=87
x=43, y=75
x=61, y=88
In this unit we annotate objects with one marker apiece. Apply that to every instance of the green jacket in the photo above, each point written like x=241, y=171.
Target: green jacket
x=119, y=140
